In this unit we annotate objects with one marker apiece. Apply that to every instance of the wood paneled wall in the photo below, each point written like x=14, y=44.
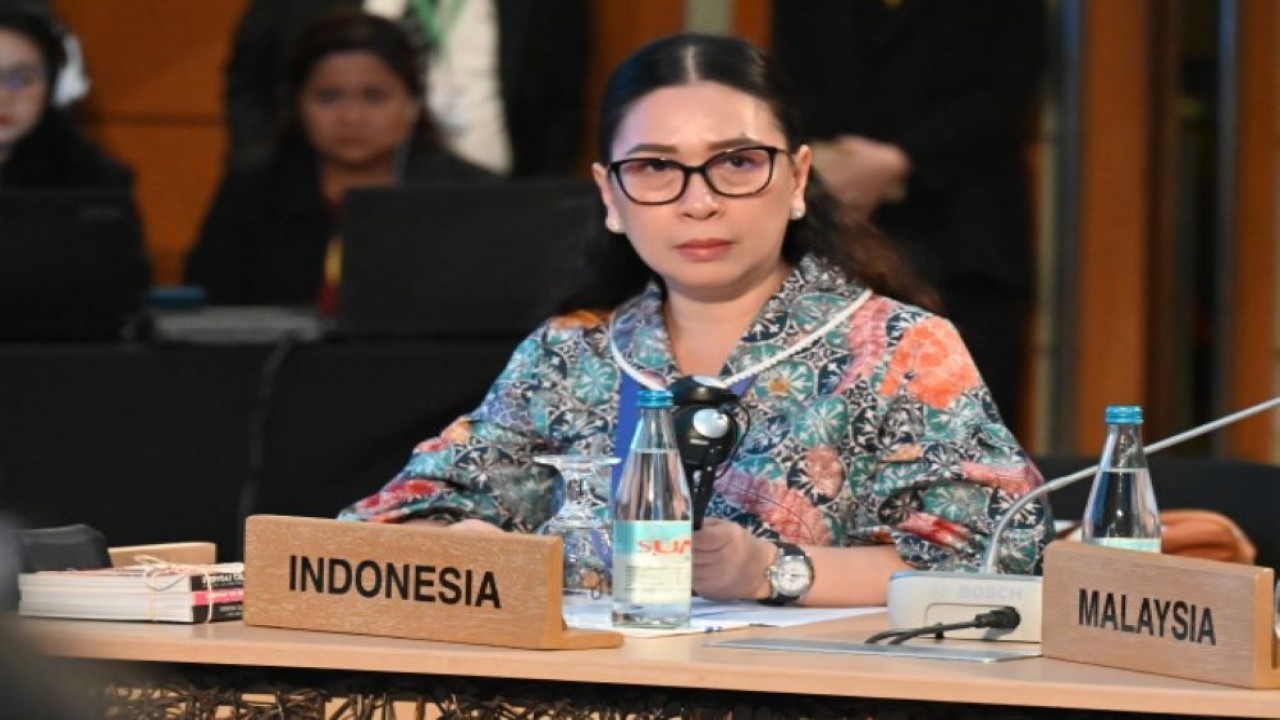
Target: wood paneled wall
x=1128, y=206
x=1253, y=356
x=1114, y=218
x=156, y=104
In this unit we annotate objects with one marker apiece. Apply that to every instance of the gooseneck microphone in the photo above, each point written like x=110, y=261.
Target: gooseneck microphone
x=707, y=432
x=990, y=559
x=921, y=597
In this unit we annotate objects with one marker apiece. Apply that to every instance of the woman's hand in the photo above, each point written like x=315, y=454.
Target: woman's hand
x=862, y=172
x=468, y=524
x=474, y=524
x=729, y=562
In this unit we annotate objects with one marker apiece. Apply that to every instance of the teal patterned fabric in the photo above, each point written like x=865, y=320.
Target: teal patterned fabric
x=879, y=432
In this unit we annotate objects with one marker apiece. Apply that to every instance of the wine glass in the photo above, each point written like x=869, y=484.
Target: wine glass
x=588, y=547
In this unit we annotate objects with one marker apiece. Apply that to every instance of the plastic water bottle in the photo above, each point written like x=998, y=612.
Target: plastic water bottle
x=652, y=525
x=1122, y=511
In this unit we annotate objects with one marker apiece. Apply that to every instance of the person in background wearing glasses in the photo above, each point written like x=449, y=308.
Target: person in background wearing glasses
x=39, y=144
x=873, y=445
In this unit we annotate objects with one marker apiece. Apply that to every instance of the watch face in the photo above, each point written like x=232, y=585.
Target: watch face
x=791, y=576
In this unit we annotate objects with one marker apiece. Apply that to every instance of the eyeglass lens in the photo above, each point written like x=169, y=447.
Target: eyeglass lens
x=15, y=79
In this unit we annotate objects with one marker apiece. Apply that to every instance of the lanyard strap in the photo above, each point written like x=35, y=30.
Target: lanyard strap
x=437, y=23
x=628, y=416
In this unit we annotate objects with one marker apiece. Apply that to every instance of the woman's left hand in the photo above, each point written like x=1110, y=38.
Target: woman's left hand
x=729, y=562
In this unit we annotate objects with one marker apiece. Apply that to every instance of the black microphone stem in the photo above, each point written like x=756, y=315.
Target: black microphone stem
x=702, y=482
x=990, y=561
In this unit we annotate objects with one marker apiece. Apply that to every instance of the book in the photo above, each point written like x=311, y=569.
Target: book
x=158, y=592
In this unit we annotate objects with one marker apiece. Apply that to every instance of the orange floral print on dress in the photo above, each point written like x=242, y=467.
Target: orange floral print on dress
x=936, y=356
x=578, y=319
x=458, y=431
x=1016, y=480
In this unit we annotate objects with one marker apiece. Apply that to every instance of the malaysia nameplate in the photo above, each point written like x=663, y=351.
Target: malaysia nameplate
x=409, y=581
x=1185, y=617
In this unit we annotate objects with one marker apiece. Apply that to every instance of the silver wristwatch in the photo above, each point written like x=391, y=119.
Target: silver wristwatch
x=790, y=576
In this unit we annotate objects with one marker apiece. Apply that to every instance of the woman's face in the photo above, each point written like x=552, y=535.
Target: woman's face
x=705, y=245
x=355, y=111
x=24, y=86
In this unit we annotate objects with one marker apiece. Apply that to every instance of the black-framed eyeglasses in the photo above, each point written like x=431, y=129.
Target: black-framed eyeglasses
x=733, y=173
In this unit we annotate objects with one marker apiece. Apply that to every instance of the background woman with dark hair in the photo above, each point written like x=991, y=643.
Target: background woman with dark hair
x=39, y=144
x=81, y=279
x=355, y=120
x=873, y=445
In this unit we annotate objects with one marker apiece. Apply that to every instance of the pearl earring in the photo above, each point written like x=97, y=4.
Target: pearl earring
x=797, y=212
x=613, y=226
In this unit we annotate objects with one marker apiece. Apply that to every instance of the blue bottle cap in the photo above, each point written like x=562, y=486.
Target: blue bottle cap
x=654, y=399
x=1126, y=414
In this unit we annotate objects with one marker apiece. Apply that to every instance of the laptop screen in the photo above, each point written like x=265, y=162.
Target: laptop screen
x=72, y=264
x=460, y=261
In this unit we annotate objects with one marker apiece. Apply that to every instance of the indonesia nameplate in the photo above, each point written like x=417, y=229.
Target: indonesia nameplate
x=409, y=581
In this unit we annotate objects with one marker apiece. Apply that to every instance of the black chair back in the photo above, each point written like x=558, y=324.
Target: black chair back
x=1246, y=492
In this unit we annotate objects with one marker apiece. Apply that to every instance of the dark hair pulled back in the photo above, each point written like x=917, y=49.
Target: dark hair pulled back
x=614, y=272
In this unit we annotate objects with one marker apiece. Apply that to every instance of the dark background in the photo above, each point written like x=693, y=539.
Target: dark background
x=150, y=443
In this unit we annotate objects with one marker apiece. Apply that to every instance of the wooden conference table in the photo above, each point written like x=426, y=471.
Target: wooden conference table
x=675, y=673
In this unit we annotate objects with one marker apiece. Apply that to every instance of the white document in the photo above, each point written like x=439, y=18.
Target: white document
x=710, y=616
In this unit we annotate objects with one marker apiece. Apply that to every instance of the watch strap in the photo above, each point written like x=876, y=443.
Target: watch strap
x=785, y=550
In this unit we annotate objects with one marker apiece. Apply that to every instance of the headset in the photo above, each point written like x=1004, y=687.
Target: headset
x=72, y=82
x=707, y=432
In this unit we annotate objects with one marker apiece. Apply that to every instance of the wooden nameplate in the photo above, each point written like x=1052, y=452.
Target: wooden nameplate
x=410, y=581
x=1185, y=617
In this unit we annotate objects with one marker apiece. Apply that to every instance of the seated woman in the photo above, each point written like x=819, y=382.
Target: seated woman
x=39, y=144
x=873, y=443
x=354, y=119
x=74, y=263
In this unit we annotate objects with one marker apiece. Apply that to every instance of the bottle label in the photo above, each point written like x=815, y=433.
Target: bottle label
x=1151, y=545
x=652, y=561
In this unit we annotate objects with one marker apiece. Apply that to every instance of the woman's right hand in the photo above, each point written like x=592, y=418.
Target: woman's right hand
x=474, y=524
x=468, y=524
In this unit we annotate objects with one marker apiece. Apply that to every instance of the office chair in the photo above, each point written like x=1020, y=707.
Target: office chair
x=70, y=547
x=1247, y=493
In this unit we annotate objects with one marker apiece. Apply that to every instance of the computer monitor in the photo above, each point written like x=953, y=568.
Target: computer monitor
x=73, y=266
x=486, y=261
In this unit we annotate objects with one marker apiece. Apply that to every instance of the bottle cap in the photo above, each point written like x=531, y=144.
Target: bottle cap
x=1126, y=414
x=654, y=399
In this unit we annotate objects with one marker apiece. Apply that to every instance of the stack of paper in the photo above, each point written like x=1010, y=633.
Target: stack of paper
x=158, y=592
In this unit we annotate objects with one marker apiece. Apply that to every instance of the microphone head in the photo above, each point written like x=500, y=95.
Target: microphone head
x=712, y=423
x=706, y=430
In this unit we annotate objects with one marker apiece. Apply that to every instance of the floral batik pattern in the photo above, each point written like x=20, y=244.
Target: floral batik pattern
x=879, y=432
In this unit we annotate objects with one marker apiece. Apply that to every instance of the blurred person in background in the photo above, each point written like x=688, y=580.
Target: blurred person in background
x=74, y=265
x=355, y=120
x=39, y=143
x=506, y=78
x=922, y=115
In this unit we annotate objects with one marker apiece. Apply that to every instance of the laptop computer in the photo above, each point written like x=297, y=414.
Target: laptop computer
x=475, y=262
x=72, y=264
